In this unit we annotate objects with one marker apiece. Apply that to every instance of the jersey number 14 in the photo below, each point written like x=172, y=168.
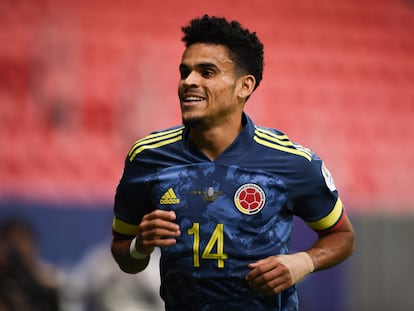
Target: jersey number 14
x=216, y=241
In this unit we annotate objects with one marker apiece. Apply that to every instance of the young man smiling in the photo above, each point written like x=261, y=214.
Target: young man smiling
x=219, y=193
x=212, y=95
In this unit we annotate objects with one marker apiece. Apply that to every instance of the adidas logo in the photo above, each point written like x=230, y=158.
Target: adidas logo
x=169, y=197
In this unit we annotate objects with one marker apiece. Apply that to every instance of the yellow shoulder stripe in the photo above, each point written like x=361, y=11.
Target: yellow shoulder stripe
x=122, y=227
x=280, y=142
x=329, y=220
x=155, y=140
x=275, y=136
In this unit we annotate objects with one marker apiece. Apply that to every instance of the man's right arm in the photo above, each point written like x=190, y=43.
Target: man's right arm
x=156, y=229
x=120, y=249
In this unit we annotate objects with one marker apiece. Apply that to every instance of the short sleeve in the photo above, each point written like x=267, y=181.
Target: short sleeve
x=317, y=201
x=131, y=202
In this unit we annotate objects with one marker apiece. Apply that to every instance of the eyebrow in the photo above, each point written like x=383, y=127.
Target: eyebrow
x=200, y=65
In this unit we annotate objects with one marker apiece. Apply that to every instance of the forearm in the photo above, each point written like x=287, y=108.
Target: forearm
x=121, y=254
x=333, y=248
x=157, y=229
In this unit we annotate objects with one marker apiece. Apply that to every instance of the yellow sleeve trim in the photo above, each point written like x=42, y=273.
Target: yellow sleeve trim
x=329, y=220
x=122, y=227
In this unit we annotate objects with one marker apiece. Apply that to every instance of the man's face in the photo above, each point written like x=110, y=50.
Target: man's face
x=208, y=85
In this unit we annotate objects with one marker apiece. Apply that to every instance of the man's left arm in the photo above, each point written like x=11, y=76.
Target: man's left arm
x=277, y=273
x=333, y=247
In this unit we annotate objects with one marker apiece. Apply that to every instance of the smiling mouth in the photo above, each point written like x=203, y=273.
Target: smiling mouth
x=192, y=99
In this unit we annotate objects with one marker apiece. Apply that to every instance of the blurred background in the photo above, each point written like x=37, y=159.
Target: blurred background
x=80, y=81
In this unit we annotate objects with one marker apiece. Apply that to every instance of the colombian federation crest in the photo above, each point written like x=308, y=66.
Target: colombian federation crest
x=328, y=178
x=249, y=199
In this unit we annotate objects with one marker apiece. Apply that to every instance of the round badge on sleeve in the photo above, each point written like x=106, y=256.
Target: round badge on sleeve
x=328, y=178
x=249, y=199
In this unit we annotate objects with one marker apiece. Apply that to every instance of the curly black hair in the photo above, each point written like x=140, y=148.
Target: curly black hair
x=244, y=47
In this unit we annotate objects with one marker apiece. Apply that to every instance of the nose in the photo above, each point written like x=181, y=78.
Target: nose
x=192, y=79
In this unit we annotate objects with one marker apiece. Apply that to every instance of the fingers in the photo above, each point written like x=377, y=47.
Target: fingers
x=269, y=276
x=157, y=229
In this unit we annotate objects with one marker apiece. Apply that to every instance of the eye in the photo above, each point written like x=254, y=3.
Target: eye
x=184, y=72
x=207, y=73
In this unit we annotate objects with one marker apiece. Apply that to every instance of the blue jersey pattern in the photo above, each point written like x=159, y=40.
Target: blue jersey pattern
x=232, y=211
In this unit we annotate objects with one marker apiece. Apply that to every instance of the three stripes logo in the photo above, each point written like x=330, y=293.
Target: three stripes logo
x=169, y=197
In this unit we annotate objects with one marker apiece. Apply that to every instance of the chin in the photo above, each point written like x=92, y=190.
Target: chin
x=191, y=121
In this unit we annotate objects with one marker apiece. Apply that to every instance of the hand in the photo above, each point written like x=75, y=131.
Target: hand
x=156, y=229
x=277, y=273
x=269, y=276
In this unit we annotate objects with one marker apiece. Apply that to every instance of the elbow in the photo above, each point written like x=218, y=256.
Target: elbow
x=129, y=270
x=120, y=253
x=129, y=265
x=352, y=244
x=348, y=245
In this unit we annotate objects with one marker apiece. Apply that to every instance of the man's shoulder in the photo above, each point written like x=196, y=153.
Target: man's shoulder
x=275, y=139
x=156, y=139
x=162, y=132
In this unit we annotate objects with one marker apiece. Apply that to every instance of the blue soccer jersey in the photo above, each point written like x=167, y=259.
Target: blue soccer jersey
x=231, y=211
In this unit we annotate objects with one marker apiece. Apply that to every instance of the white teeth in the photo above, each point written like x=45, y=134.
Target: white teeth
x=193, y=98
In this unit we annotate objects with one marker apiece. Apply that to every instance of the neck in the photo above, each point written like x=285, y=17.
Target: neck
x=213, y=141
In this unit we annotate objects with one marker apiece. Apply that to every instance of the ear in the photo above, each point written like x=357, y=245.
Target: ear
x=246, y=86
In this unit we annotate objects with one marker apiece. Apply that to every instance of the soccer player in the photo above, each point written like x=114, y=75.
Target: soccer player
x=218, y=194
